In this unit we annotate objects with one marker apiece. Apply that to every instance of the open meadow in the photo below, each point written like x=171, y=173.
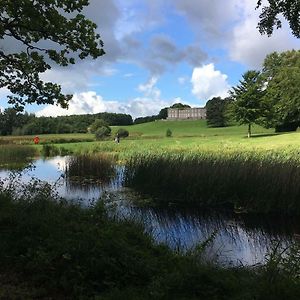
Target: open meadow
x=187, y=136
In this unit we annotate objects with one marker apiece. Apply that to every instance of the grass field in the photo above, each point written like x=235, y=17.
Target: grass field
x=191, y=136
x=187, y=136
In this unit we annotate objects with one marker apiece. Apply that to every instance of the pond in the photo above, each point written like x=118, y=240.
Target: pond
x=237, y=238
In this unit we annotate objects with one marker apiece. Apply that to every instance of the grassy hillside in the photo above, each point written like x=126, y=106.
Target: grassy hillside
x=189, y=129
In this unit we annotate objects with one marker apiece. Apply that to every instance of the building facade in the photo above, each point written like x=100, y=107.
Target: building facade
x=186, y=113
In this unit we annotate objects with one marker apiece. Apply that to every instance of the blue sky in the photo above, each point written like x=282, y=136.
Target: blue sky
x=164, y=51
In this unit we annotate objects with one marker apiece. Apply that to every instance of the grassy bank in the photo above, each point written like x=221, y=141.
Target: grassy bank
x=244, y=183
x=54, y=249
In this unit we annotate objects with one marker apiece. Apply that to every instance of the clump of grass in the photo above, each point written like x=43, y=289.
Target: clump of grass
x=16, y=156
x=51, y=150
x=239, y=182
x=97, y=166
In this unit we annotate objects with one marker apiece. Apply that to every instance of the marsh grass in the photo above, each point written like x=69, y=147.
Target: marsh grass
x=243, y=183
x=91, y=166
x=16, y=156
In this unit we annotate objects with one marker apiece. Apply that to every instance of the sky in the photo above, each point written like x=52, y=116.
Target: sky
x=160, y=52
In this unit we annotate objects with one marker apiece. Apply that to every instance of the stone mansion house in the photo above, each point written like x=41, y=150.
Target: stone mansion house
x=186, y=113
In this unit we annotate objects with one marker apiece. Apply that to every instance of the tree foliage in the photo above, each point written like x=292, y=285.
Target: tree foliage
x=23, y=123
x=248, y=106
x=180, y=106
x=281, y=72
x=269, y=17
x=122, y=133
x=98, y=123
x=48, y=32
x=216, y=111
x=102, y=132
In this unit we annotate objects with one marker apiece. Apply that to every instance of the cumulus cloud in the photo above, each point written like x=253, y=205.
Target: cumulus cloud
x=82, y=103
x=208, y=83
x=91, y=103
x=150, y=89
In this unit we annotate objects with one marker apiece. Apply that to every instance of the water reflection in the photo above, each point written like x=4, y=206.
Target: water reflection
x=234, y=241
x=239, y=239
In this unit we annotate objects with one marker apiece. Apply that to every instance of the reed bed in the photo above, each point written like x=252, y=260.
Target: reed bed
x=240, y=182
x=96, y=166
x=15, y=156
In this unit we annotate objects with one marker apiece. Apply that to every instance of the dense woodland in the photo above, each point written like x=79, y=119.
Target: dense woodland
x=16, y=123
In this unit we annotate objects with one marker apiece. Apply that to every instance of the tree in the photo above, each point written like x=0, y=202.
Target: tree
x=281, y=73
x=180, y=106
x=247, y=106
x=163, y=113
x=216, y=111
x=290, y=9
x=98, y=123
x=11, y=119
x=102, y=132
x=122, y=133
x=48, y=31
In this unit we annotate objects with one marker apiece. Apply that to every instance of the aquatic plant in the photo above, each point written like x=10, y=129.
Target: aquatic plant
x=16, y=156
x=240, y=182
x=97, y=166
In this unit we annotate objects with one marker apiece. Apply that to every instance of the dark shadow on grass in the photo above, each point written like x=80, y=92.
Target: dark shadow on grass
x=259, y=135
x=270, y=134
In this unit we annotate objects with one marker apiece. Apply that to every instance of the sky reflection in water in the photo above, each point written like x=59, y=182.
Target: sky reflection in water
x=238, y=239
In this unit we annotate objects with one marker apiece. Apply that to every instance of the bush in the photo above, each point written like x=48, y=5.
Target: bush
x=122, y=132
x=168, y=132
x=102, y=132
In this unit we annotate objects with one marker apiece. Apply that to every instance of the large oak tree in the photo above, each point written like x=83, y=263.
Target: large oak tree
x=47, y=32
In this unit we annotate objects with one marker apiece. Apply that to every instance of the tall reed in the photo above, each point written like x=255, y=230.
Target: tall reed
x=15, y=156
x=240, y=182
x=97, y=166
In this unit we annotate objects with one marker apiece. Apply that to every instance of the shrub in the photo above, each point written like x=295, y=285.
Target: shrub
x=102, y=132
x=168, y=132
x=122, y=132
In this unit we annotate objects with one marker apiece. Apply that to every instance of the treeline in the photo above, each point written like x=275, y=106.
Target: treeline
x=15, y=123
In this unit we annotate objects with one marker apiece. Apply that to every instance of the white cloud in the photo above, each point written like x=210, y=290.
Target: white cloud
x=208, y=83
x=91, y=103
x=82, y=103
x=149, y=88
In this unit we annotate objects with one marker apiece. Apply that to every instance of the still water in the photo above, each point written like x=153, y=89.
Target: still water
x=238, y=239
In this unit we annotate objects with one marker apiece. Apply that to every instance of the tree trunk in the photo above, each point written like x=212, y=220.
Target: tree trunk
x=249, y=130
